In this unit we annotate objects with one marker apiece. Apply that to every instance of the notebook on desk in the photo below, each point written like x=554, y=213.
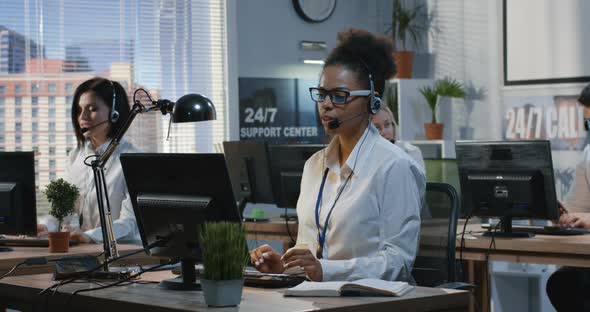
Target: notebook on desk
x=28, y=242
x=362, y=287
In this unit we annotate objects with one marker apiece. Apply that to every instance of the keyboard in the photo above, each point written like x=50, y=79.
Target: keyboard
x=544, y=230
x=263, y=280
x=28, y=242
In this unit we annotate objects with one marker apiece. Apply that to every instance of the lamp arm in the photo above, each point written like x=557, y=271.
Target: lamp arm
x=136, y=109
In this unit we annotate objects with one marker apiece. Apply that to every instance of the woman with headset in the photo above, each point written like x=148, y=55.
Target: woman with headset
x=386, y=125
x=99, y=109
x=359, y=207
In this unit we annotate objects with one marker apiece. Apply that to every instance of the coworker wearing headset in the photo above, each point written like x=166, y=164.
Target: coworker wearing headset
x=360, y=196
x=567, y=287
x=99, y=109
x=385, y=124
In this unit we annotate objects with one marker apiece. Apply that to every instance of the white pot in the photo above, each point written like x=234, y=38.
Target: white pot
x=222, y=293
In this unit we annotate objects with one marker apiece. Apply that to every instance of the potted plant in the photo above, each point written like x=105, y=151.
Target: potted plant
x=446, y=87
x=407, y=23
x=224, y=258
x=62, y=196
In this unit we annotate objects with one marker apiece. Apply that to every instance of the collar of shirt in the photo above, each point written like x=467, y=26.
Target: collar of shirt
x=356, y=158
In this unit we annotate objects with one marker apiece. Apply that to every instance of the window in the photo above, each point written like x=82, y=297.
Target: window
x=18, y=89
x=51, y=151
x=1, y=112
x=18, y=139
x=35, y=126
x=52, y=163
x=52, y=126
x=34, y=87
x=2, y=101
x=35, y=138
x=34, y=100
x=1, y=139
x=36, y=149
x=52, y=176
x=133, y=26
x=18, y=148
x=34, y=112
x=2, y=89
x=18, y=101
x=18, y=112
x=18, y=126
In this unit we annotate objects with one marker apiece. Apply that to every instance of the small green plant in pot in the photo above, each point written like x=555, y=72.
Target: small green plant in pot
x=62, y=197
x=224, y=258
x=446, y=87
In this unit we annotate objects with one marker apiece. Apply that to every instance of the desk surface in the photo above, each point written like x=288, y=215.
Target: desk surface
x=148, y=297
x=8, y=259
x=571, y=250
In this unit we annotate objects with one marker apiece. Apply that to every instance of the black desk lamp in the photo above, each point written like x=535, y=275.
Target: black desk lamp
x=188, y=108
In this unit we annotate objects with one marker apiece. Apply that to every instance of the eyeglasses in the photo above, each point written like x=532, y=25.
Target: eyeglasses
x=337, y=96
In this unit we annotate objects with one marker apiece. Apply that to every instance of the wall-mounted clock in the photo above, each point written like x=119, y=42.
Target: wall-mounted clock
x=314, y=11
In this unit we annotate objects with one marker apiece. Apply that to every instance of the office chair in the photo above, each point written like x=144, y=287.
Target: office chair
x=435, y=264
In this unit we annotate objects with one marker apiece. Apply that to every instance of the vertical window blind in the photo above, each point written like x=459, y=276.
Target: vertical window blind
x=49, y=47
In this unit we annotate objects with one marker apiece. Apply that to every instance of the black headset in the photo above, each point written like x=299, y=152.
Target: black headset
x=374, y=101
x=114, y=112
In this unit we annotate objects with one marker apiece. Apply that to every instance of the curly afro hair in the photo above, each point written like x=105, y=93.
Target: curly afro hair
x=364, y=53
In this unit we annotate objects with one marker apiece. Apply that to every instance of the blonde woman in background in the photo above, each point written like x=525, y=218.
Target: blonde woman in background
x=385, y=123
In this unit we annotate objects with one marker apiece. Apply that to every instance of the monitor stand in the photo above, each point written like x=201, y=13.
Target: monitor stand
x=506, y=230
x=187, y=281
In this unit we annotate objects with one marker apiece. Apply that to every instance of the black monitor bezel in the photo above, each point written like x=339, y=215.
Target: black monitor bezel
x=551, y=209
x=20, y=167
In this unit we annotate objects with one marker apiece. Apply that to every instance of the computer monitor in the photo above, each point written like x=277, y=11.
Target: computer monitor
x=286, y=163
x=18, y=210
x=249, y=171
x=507, y=179
x=172, y=195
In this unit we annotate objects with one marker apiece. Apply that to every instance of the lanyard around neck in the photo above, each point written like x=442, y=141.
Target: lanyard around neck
x=322, y=232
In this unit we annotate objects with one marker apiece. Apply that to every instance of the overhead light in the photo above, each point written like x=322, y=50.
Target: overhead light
x=315, y=62
x=312, y=45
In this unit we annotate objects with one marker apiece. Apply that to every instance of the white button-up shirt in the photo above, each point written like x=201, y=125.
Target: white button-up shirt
x=77, y=173
x=373, y=231
x=578, y=198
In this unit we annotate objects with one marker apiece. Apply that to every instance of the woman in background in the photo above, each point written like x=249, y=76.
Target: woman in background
x=385, y=123
x=99, y=109
x=360, y=197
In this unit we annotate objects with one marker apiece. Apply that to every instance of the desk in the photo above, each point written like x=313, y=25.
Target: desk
x=147, y=297
x=541, y=249
x=9, y=259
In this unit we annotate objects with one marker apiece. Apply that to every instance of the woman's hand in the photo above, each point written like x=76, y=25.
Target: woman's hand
x=575, y=219
x=77, y=235
x=302, y=257
x=266, y=260
x=42, y=230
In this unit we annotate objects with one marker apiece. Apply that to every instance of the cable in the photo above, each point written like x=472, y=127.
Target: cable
x=462, y=242
x=288, y=230
x=154, y=244
x=12, y=270
x=121, y=281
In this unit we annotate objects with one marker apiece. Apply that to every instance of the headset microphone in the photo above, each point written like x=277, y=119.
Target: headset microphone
x=335, y=124
x=84, y=130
